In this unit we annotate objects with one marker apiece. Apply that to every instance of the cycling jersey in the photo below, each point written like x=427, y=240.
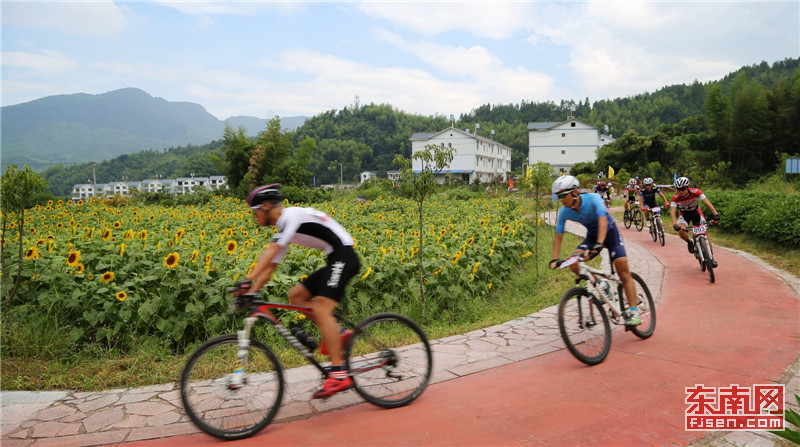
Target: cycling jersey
x=591, y=209
x=689, y=207
x=631, y=190
x=601, y=190
x=310, y=228
x=649, y=197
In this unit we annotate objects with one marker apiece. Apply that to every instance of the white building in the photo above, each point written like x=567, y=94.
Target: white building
x=562, y=144
x=393, y=175
x=182, y=185
x=83, y=191
x=474, y=157
x=366, y=176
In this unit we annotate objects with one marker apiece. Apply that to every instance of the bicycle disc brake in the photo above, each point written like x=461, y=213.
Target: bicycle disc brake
x=389, y=360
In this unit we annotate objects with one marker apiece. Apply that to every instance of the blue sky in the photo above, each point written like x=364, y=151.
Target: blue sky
x=431, y=58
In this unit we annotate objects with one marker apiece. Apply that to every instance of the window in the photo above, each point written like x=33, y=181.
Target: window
x=449, y=144
x=572, y=124
x=563, y=152
x=563, y=135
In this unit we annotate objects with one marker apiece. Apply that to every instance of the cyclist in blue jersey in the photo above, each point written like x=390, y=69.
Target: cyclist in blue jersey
x=601, y=232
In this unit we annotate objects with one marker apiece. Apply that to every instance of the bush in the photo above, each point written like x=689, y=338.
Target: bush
x=297, y=194
x=772, y=216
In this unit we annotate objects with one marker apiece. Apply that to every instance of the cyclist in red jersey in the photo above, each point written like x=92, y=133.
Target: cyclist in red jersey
x=687, y=201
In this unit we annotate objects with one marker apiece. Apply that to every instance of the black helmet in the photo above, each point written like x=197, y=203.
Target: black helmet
x=269, y=193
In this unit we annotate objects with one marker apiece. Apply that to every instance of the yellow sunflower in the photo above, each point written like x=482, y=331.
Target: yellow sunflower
x=117, y=224
x=172, y=260
x=194, y=256
x=32, y=253
x=121, y=295
x=231, y=247
x=80, y=268
x=208, y=258
x=143, y=235
x=107, y=234
x=33, y=230
x=107, y=277
x=122, y=249
x=74, y=258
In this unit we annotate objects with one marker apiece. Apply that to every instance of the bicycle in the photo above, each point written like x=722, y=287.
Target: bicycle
x=634, y=216
x=233, y=385
x=584, y=311
x=702, y=250
x=656, y=225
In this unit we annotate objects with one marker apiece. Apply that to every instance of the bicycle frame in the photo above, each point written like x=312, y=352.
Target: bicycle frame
x=261, y=310
x=590, y=274
x=699, y=232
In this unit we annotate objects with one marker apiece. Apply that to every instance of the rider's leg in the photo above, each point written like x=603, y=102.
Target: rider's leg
x=322, y=316
x=621, y=265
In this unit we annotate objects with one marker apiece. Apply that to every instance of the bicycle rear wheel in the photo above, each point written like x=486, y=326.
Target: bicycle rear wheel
x=389, y=359
x=653, y=230
x=645, y=304
x=660, y=229
x=638, y=220
x=584, y=326
x=707, y=259
x=231, y=413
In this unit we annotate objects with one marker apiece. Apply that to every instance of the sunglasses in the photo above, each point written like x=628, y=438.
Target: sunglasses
x=683, y=189
x=563, y=194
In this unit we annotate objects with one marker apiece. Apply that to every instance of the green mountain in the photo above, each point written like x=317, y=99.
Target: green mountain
x=81, y=128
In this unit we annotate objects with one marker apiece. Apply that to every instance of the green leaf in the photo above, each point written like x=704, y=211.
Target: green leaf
x=75, y=334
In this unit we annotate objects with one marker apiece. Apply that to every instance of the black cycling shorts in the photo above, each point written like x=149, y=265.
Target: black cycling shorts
x=330, y=281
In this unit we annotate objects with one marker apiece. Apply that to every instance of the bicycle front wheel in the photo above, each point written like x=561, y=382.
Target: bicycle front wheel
x=584, y=326
x=626, y=219
x=653, y=230
x=660, y=226
x=707, y=259
x=638, y=220
x=645, y=304
x=221, y=408
x=389, y=359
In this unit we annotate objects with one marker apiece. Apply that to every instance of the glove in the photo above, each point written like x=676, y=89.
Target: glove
x=553, y=264
x=676, y=227
x=715, y=218
x=243, y=286
x=596, y=248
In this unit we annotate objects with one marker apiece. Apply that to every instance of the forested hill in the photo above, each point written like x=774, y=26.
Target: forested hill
x=83, y=127
x=756, y=107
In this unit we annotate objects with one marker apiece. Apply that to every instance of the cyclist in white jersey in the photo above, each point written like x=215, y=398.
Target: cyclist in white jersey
x=321, y=290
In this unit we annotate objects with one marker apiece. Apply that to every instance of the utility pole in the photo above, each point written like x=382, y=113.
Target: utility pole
x=94, y=175
x=341, y=174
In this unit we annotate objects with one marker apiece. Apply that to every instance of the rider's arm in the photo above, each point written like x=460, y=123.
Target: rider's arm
x=666, y=202
x=556, y=247
x=673, y=213
x=264, y=267
x=708, y=205
x=602, y=228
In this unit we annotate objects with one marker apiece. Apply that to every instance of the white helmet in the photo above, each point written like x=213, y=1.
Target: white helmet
x=682, y=182
x=647, y=181
x=565, y=183
x=632, y=181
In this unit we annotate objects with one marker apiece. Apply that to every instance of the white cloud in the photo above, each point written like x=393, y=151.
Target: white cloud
x=48, y=60
x=241, y=7
x=493, y=20
x=93, y=18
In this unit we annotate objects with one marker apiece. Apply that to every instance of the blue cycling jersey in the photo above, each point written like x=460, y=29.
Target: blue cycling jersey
x=592, y=208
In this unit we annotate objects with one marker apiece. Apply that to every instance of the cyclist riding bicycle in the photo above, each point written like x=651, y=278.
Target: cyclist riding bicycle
x=601, y=188
x=648, y=194
x=601, y=232
x=322, y=290
x=687, y=202
x=631, y=191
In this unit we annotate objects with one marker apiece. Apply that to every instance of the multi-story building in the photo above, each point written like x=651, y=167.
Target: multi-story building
x=562, y=144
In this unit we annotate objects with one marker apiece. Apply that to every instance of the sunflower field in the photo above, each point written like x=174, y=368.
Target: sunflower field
x=123, y=275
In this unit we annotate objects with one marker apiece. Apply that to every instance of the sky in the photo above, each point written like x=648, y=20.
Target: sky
x=263, y=59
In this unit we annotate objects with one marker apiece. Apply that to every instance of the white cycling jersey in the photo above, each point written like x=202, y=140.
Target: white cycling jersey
x=310, y=228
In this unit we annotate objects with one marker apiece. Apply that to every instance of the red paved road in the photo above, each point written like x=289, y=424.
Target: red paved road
x=743, y=329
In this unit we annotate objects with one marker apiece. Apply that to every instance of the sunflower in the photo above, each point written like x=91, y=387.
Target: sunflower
x=32, y=253
x=122, y=249
x=172, y=260
x=143, y=235
x=117, y=224
x=457, y=256
x=202, y=235
x=107, y=234
x=33, y=230
x=365, y=275
x=179, y=234
x=80, y=269
x=229, y=233
x=231, y=247
x=74, y=258
x=107, y=277
x=208, y=258
x=194, y=256
x=121, y=295
x=80, y=202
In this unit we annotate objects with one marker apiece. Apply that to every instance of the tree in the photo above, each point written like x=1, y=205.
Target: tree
x=237, y=148
x=433, y=160
x=17, y=187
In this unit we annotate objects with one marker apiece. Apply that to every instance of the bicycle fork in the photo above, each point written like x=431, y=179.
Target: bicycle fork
x=237, y=378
